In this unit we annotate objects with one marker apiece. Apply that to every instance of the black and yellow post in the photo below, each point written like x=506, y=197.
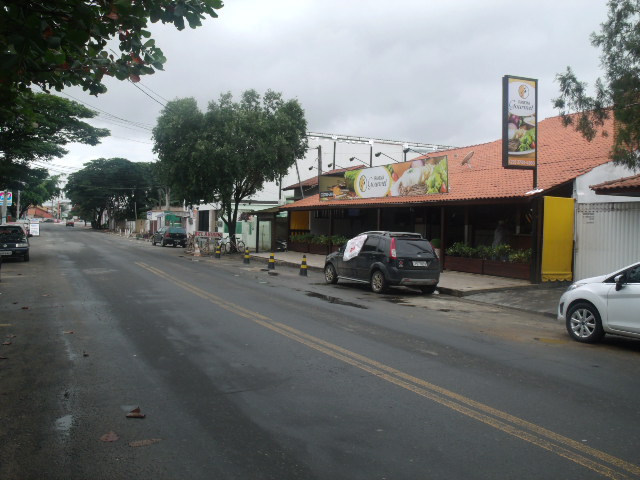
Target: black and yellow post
x=217, y=255
x=272, y=262
x=303, y=266
x=246, y=255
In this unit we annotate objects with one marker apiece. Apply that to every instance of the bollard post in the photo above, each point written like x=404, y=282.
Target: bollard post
x=272, y=262
x=217, y=251
x=246, y=255
x=303, y=266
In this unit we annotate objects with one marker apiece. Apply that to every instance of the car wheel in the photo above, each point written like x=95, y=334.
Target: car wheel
x=583, y=323
x=330, y=274
x=26, y=257
x=428, y=289
x=378, y=282
x=162, y=244
x=153, y=242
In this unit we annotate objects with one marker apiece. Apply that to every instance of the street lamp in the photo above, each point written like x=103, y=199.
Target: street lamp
x=381, y=153
x=356, y=158
x=407, y=148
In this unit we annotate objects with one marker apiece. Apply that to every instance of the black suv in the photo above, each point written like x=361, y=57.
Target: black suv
x=386, y=259
x=176, y=236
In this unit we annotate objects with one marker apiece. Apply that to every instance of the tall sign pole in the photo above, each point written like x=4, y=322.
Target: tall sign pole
x=520, y=124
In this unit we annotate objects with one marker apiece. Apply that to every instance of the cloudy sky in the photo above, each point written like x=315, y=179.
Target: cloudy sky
x=412, y=70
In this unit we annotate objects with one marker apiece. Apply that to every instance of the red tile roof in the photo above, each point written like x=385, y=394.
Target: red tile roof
x=563, y=155
x=629, y=186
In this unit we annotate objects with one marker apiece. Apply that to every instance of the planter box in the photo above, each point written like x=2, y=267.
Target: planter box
x=298, y=247
x=318, y=248
x=335, y=248
x=506, y=269
x=463, y=264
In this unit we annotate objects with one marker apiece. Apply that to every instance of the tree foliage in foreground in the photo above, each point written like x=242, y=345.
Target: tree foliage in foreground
x=228, y=153
x=115, y=186
x=58, y=43
x=618, y=93
x=47, y=124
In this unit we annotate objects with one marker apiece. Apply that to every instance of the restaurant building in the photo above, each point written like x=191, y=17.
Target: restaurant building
x=474, y=201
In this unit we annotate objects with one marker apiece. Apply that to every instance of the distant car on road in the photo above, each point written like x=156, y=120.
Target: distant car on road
x=384, y=259
x=69, y=223
x=608, y=303
x=14, y=242
x=176, y=236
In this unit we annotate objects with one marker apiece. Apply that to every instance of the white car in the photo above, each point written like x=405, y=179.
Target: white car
x=604, y=304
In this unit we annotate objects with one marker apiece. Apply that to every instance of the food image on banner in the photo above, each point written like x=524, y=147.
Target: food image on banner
x=417, y=177
x=519, y=129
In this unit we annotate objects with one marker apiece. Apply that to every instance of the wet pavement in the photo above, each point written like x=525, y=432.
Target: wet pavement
x=507, y=292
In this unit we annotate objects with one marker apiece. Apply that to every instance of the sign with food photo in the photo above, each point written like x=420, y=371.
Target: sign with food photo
x=519, y=122
x=423, y=176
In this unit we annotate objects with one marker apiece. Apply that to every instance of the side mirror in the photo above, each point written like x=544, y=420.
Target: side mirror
x=620, y=281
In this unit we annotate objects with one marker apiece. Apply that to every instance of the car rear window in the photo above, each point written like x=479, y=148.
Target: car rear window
x=177, y=230
x=407, y=247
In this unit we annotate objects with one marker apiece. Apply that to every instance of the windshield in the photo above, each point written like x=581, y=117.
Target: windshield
x=11, y=231
x=412, y=247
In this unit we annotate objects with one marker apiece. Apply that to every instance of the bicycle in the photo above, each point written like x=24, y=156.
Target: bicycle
x=233, y=244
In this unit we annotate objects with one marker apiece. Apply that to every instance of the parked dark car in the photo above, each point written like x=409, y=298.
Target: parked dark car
x=387, y=259
x=69, y=223
x=176, y=236
x=14, y=242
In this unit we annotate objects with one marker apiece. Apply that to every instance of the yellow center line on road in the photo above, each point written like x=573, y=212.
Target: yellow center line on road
x=558, y=444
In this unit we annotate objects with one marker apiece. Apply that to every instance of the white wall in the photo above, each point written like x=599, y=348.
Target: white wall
x=604, y=173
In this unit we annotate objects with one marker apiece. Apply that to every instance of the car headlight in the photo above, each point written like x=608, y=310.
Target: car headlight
x=20, y=245
x=573, y=286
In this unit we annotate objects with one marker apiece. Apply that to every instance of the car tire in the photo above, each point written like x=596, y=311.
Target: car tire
x=584, y=323
x=162, y=244
x=153, y=242
x=378, y=282
x=330, y=274
x=428, y=289
x=25, y=258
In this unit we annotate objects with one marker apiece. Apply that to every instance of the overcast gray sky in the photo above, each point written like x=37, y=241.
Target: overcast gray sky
x=410, y=70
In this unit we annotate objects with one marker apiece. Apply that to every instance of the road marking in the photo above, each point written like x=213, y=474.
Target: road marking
x=553, y=442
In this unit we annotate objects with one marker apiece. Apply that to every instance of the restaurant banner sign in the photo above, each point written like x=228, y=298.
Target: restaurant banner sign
x=417, y=177
x=519, y=122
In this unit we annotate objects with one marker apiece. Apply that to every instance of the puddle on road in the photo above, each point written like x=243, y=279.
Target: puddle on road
x=64, y=424
x=335, y=300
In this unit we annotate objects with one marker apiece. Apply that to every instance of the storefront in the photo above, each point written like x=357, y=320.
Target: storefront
x=472, y=203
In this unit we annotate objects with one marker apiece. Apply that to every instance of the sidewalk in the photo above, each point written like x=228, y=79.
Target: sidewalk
x=507, y=292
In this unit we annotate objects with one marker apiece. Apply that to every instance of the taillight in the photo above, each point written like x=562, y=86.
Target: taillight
x=392, y=249
x=166, y=235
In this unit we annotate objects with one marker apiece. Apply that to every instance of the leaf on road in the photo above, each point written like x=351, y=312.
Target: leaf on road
x=135, y=413
x=8, y=342
x=3, y=358
x=110, y=437
x=11, y=336
x=85, y=354
x=144, y=443
x=68, y=332
x=25, y=308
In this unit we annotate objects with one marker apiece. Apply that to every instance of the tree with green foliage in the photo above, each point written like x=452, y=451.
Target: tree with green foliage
x=228, y=153
x=36, y=189
x=41, y=134
x=619, y=93
x=58, y=43
x=115, y=186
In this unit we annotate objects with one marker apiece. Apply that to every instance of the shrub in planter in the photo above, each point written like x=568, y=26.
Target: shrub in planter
x=520, y=256
x=337, y=241
x=463, y=258
x=320, y=244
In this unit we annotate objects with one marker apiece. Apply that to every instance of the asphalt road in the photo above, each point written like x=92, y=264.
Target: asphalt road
x=242, y=373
